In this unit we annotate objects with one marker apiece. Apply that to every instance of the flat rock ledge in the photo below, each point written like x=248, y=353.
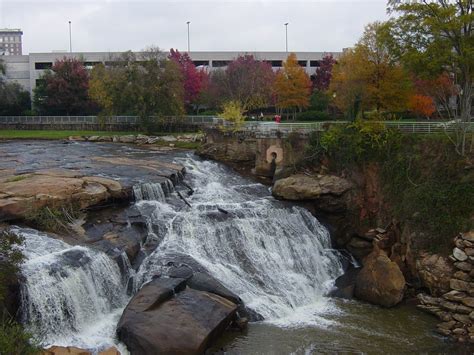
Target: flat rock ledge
x=304, y=187
x=455, y=308
x=168, y=317
x=140, y=138
x=23, y=194
x=70, y=350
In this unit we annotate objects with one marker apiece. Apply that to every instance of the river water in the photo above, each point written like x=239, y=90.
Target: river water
x=275, y=256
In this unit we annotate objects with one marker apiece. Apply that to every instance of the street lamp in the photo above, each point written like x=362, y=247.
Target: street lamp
x=188, y=35
x=286, y=36
x=70, y=38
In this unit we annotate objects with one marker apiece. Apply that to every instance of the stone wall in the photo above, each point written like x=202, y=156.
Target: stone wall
x=455, y=308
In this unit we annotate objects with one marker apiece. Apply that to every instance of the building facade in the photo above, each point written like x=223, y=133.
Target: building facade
x=10, y=41
x=28, y=69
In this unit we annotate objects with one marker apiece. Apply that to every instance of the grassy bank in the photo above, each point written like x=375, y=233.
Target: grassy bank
x=425, y=183
x=40, y=134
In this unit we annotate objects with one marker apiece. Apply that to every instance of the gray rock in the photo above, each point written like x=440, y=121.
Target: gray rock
x=459, y=254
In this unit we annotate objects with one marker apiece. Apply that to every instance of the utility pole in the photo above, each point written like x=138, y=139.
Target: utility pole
x=70, y=38
x=188, y=36
x=286, y=36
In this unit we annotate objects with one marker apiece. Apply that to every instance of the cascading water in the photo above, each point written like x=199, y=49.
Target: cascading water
x=153, y=191
x=71, y=295
x=277, y=258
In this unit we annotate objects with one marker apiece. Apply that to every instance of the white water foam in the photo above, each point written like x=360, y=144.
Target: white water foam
x=72, y=295
x=277, y=258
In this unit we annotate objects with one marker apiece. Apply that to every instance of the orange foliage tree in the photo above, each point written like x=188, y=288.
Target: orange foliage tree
x=292, y=87
x=422, y=105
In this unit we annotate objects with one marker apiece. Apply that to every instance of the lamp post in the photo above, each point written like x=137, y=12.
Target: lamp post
x=70, y=38
x=286, y=36
x=188, y=35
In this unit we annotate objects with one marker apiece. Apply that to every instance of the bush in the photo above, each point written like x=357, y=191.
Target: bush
x=312, y=116
x=14, y=340
x=233, y=112
x=319, y=101
x=208, y=113
x=423, y=178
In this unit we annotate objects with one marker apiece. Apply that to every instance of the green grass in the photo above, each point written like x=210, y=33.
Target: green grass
x=40, y=134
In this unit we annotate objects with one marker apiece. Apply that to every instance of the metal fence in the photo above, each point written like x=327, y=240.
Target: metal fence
x=269, y=128
x=112, y=120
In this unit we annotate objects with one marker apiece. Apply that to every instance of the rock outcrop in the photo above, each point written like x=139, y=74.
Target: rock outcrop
x=455, y=308
x=303, y=187
x=70, y=350
x=139, y=138
x=167, y=317
x=380, y=280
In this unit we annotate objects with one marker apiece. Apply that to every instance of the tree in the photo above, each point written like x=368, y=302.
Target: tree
x=14, y=100
x=319, y=101
x=442, y=91
x=292, y=86
x=150, y=86
x=433, y=36
x=193, y=79
x=233, y=112
x=247, y=81
x=64, y=89
x=323, y=75
x=369, y=78
x=422, y=105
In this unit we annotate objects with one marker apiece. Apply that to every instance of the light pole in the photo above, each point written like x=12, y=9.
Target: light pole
x=286, y=36
x=70, y=38
x=188, y=35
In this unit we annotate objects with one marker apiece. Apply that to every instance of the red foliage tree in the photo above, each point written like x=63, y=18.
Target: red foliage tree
x=323, y=75
x=64, y=89
x=422, y=105
x=442, y=90
x=194, y=79
x=248, y=81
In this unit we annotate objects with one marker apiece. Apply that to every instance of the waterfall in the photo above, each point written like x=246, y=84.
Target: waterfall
x=155, y=191
x=277, y=258
x=71, y=295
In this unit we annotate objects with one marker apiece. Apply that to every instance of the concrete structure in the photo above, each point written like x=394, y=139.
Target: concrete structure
x=10, y=41
x=27, y=69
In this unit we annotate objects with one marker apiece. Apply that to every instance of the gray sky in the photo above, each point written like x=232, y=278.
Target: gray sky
x=251, y=25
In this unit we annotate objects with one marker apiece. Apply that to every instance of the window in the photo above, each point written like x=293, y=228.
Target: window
x=220, y=63
x=43, y=65
x=314, y=63
x=302, y=63
x=276, y=63
x=200, y=62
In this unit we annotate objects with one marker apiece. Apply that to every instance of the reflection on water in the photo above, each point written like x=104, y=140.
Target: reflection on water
x=357, y=329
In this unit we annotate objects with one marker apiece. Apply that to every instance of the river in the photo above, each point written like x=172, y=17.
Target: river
x=277, y=257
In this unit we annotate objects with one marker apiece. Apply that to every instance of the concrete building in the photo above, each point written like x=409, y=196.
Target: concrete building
x=10, y=41
x=28, y=69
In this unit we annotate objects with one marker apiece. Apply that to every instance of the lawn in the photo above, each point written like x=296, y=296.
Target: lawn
x=40, y=134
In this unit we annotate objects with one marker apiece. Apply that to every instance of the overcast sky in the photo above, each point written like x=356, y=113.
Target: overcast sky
x=252, y=25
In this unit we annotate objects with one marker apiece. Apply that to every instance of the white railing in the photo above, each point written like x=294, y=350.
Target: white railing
x=406, y=127
x=111, y=120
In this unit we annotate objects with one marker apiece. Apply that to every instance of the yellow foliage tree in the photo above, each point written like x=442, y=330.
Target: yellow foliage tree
x=233, y=112
x=367, y=78
x=292, y=86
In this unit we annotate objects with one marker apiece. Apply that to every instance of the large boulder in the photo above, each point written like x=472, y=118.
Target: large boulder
x=380, y=280
x=304, y=187
x=435, y=272
x=166, y=317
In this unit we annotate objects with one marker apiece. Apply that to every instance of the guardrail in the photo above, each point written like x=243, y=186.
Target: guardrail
x=266, y=128
x=111, y=120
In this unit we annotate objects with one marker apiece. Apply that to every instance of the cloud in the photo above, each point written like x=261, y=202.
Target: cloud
x=116, y=25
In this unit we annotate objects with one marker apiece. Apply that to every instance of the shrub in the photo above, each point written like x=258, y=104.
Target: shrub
x=233, y=112
x=312, y=116
x=423, y=178
x=14, y=340
x=319, y=101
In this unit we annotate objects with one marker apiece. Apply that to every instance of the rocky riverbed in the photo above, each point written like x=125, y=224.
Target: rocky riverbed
x=164, y=238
